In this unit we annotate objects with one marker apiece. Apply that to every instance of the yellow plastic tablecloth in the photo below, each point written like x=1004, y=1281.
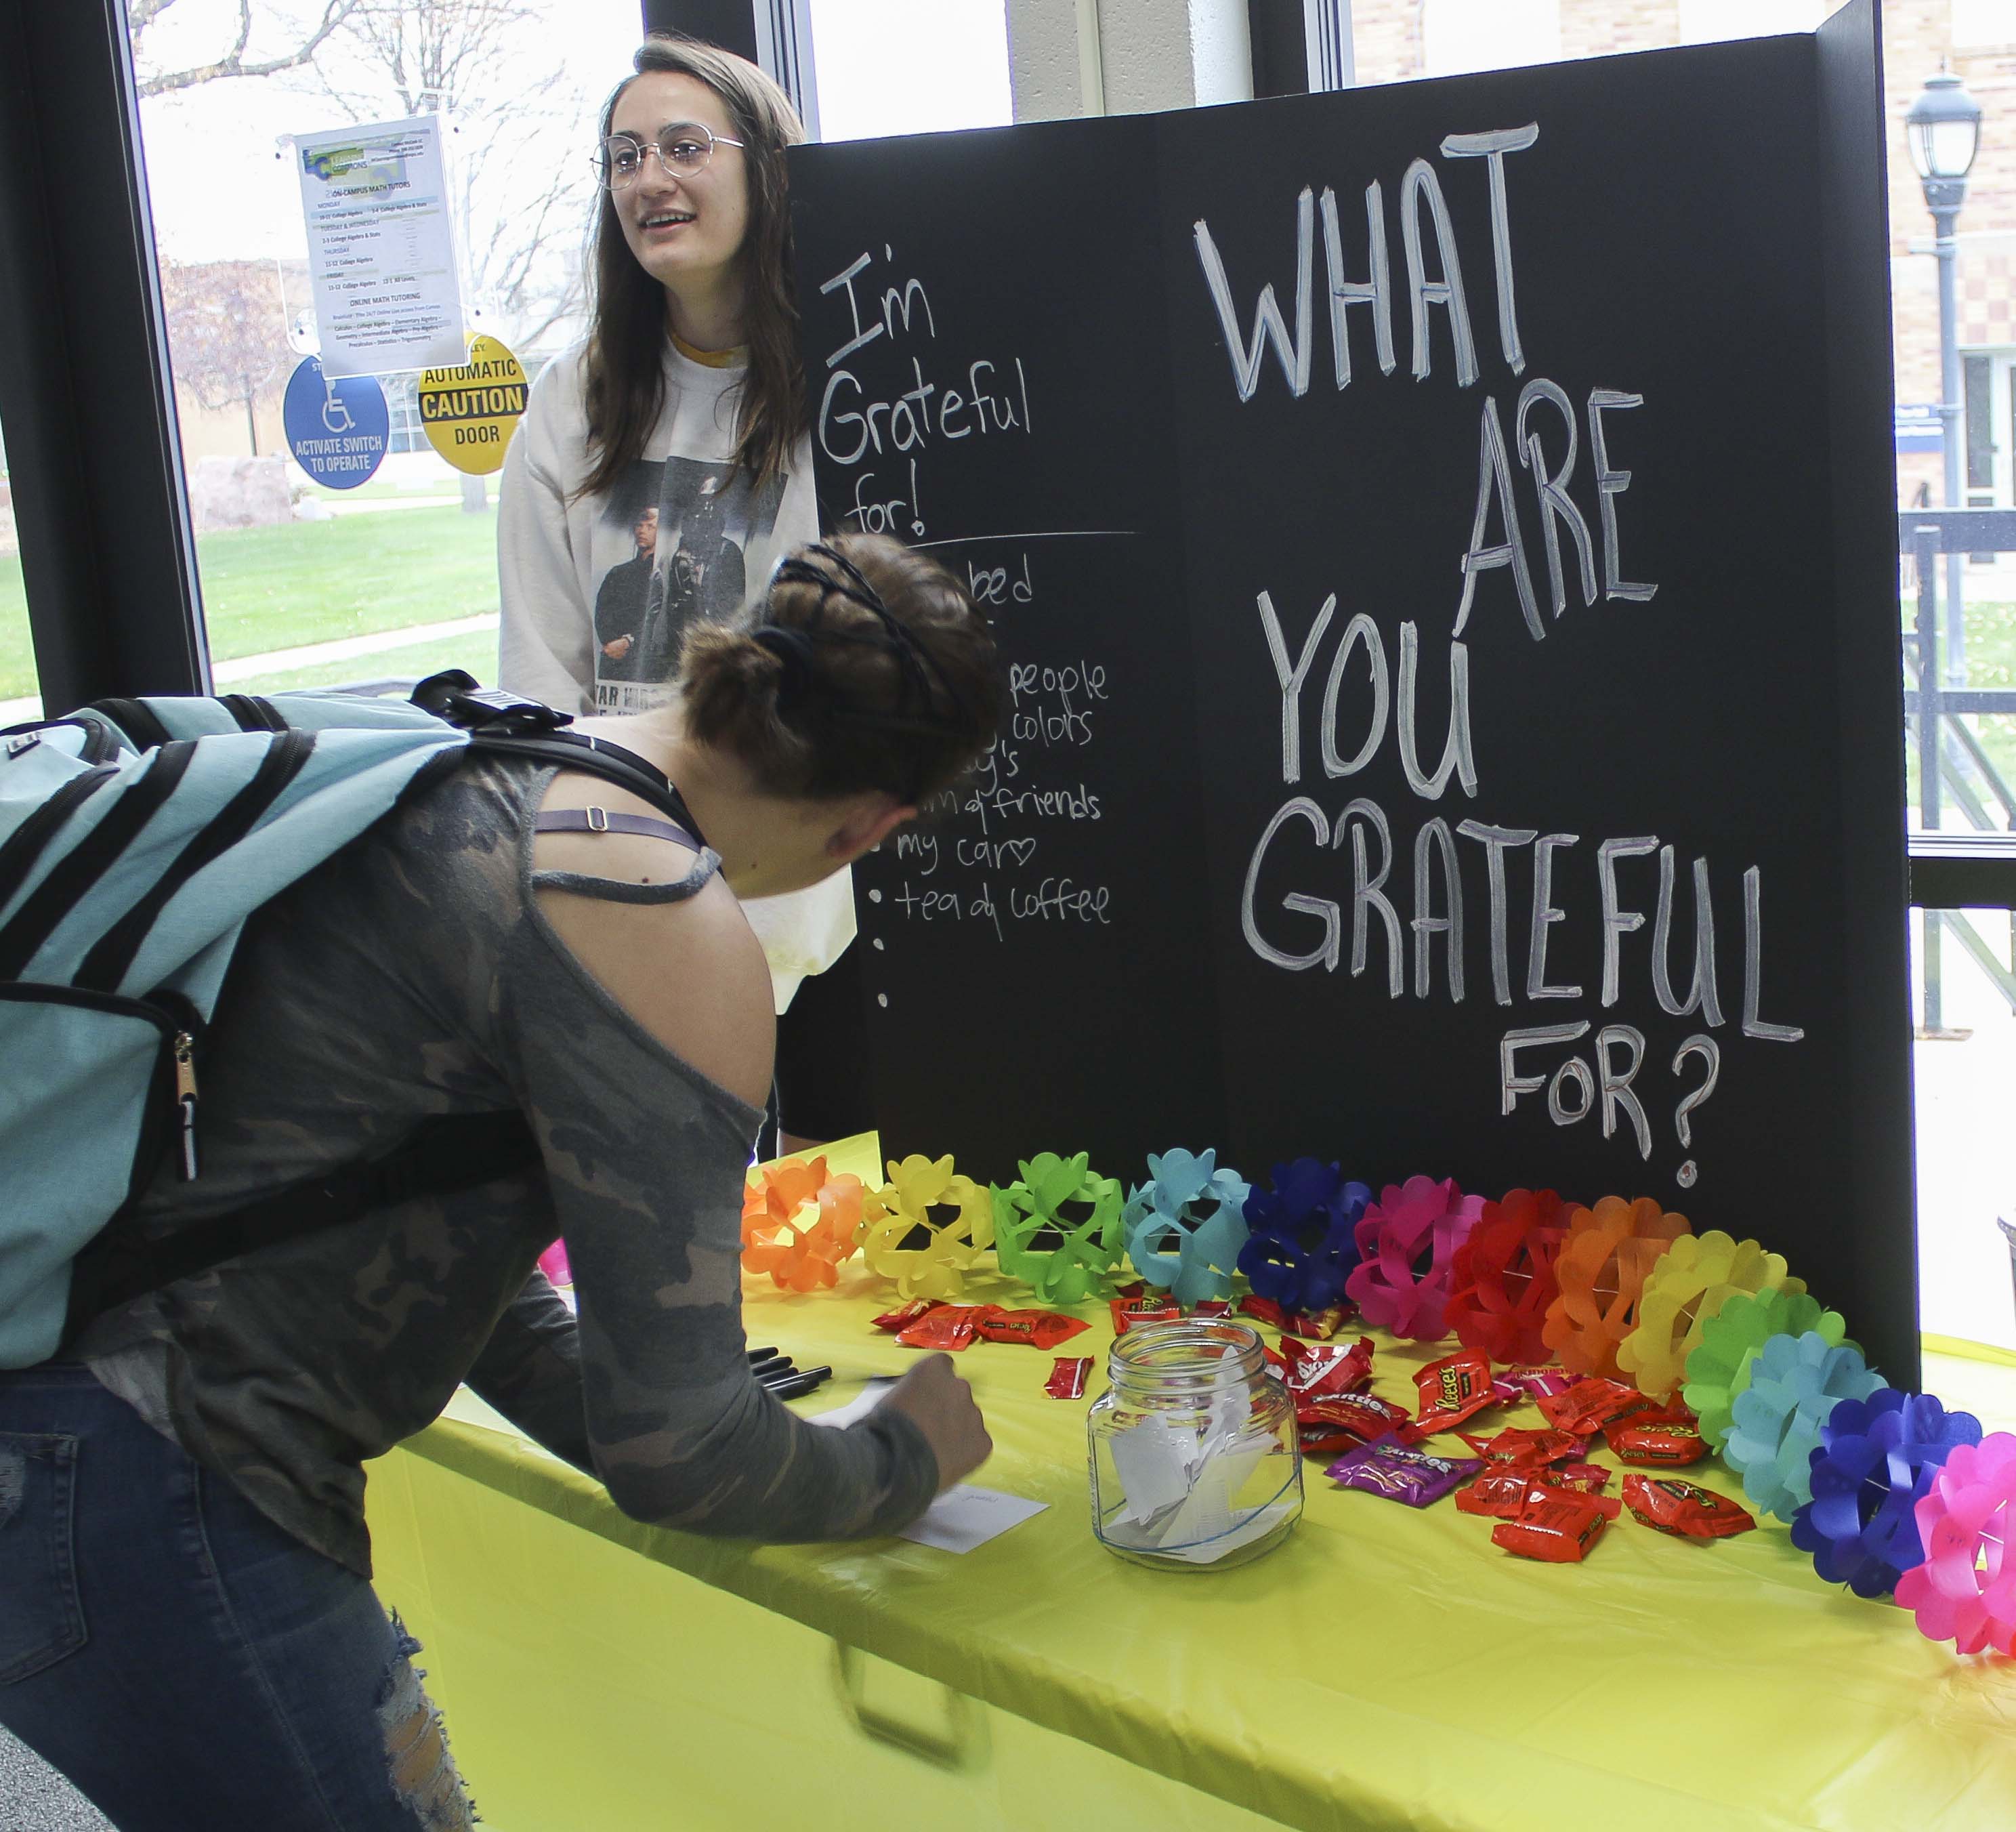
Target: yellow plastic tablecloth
x=1387, y=1667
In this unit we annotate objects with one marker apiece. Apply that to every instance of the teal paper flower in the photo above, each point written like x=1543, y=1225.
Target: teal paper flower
x=1078, y=1249
x=1795, y=1384
x=1719, y=1366
x=1190, y=1202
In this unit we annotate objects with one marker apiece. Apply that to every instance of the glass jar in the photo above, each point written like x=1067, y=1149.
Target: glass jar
x=1192, y=1448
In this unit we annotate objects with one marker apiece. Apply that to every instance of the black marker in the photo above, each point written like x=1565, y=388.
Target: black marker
x=776, y=1368
x=800, y=1384
x=760, y=1354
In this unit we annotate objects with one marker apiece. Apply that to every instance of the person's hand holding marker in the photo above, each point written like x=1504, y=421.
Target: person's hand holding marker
x=939, y=1404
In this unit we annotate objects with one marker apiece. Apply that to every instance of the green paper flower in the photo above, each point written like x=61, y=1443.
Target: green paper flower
x=1720, y=1365
x=1087, y=1245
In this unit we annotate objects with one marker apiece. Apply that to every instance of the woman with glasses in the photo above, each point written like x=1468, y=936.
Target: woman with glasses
x=686, y=396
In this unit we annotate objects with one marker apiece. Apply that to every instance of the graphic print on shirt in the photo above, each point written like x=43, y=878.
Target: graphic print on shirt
x=688, y=524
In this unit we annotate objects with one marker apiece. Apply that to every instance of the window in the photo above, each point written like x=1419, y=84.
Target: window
x=19, y=699
x=1978, y=23
x=1458, y=35
x=1703, y=22
x=305, y=584
x=910, y=67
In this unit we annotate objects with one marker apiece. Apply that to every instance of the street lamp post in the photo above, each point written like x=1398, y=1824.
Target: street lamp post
x=1944, y=129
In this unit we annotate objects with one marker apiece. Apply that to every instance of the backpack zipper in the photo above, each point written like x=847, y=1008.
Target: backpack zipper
x=186, y=1100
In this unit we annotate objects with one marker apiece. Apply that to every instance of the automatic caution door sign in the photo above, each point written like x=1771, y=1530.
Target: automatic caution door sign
x=470, y=413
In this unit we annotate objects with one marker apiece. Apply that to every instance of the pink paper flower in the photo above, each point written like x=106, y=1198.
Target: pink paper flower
x=1406, y=1244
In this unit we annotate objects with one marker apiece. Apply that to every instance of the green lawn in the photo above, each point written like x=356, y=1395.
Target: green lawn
x=268, y=588
x=1991, y=662
x=477, y=653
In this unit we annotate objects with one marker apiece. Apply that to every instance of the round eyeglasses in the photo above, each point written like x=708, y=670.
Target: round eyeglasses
x=683, y=148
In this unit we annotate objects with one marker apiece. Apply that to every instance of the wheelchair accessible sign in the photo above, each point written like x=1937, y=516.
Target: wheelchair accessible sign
x=469, y=414
x=337, y=430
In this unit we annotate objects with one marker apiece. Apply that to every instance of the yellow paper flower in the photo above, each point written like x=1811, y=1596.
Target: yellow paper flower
x=926, y=1227
x=1610, y=1252
x=1694, y=1278
x=798, y=1224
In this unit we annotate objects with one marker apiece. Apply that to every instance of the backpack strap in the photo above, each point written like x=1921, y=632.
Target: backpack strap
x=439, y=1157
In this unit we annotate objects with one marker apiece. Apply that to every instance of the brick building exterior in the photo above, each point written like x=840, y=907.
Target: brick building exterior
x=1397, y=39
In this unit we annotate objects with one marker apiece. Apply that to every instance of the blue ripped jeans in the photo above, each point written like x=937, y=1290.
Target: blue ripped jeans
x=186, y=1663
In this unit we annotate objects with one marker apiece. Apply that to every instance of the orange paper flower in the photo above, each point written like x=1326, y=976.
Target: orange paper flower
x=926, y=1227
x=1503, y=1279
x=799, y=1225
x=1694, y=1278
x=1610, y=1251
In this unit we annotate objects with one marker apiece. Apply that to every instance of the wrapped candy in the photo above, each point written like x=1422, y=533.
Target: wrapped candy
x=1554, y=1525
x=1394, y=1470
x=1876, y=1463
x=799, y=1225
x=1189, y=1201
x=1300, y=1241
x=1602, y=1267
x=1669, y=1436
x=1964, y=1592
x=926, y=1227
x=1794, y=1389
x=1407, y=1243
x=1058, y=1229
x=1453, y=1389
x=1719, y=1366
x=1502, y=1280
x=1685, y=1509
x=1693, y=1279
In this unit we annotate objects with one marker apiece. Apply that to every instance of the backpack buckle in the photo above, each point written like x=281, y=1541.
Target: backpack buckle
x=455, y=695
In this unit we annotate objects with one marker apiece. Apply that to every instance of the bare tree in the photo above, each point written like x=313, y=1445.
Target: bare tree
x=309, y=39
x=227, y=333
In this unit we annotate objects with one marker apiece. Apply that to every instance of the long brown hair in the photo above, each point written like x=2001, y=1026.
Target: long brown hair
x=624, y=382
x=864, y=666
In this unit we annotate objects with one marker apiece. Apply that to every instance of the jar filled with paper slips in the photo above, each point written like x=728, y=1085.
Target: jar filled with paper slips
x=1192, y=1448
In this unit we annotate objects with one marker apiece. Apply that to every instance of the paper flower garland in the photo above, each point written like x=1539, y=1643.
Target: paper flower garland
x=1876, y=1463
x=798, y=1224
x=1301, y=1242
x=1503, y=1277
x=1693, y=1278
x=1088, y=1246
x=1965, y=1590
x=1603, y=1264
x=936, y=1266
x=1406, y=1246
x=1794, y=1386
x=1188, y=1200
x=1719, y=1366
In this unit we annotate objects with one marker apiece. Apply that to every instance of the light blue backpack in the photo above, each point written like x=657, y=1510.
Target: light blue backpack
x=136, y=837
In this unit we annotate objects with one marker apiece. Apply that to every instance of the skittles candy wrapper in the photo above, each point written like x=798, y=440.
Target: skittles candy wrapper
x=947, y=1327
x=1040, y=1328
x=1592, y=1404
x=1672, y=1438
x=904, y=1315
x=1068, y=1374
x=1341, y=1420
x=1452, y=1389
x=1158, y=1308
x=1685, y=1509
x=1401, y=1473
x=1555, y=1527
x=1316, y=1370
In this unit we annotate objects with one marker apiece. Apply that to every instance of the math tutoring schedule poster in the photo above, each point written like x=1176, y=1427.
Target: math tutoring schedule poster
x=1440, y=537
x=381, y=248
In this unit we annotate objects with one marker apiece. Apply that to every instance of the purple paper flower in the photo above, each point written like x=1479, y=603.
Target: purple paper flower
x=1876, y=1460
x=1302, y=1243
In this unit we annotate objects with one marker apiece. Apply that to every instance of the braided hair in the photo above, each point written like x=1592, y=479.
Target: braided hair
x=864, y=666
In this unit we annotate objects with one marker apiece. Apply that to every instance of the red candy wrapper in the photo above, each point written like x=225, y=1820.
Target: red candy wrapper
x=1212, y=1307
x=1318, y=1326
x=1685, y=1509
x=1589, y=1478
x=1452, y=1389
x=1159, y=1308
x=1068, y=1374
x=1669, y=1436
x=1316, y=1370
x=1401, y=1473
x=1344, y=1420
x=1505, y=1493
x=904, y=1315
x=1040, y=1328
x=948, y=1327
x=1592, y=1404
x=1517, y=1448
x=1535, y=1383
x=1556, y=1528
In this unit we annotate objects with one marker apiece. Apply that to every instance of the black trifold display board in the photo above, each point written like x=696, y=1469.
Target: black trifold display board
x=1438, y=535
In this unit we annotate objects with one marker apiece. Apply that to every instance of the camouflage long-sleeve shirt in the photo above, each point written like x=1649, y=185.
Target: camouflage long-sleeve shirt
x=412, y=975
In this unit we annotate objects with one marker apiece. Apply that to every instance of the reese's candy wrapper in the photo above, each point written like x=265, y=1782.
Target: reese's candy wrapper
x=1685, y=1509
x=1452, y=1389
x=1518, y=1449
x=1159, y=1307
x=1589, y=1478
x=1531, y=1382
x=1670, y=1436
x=1591, y=1405
x=1500, y=1493
x=905, y=1315
x=1553, y=1526
x=1211, y=1306
x=1068, y=1374
x=947, y=1327
x=1040, y=1328
x=1340, y=1420
x=1401, y=1473
x=1263, y=1310
x=1318, y=1369
x=1318, y=1326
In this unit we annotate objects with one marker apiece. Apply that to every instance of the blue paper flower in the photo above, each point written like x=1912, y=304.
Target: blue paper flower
x=1301, y=1242
x=1795, y=1384
x=1875, y=1462
x=1188, y=1201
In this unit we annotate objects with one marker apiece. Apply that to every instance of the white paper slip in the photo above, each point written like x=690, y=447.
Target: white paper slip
x=964, y=1516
